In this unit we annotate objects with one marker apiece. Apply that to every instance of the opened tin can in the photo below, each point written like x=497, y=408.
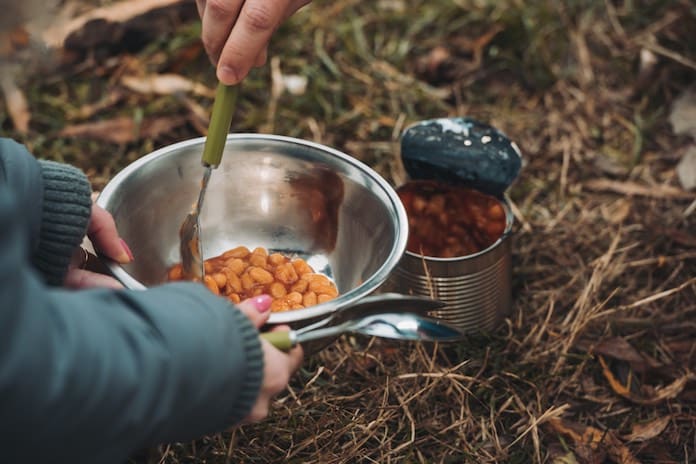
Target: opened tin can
x=460, y=224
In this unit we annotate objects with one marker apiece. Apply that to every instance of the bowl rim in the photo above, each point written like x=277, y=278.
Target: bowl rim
x=378, y=278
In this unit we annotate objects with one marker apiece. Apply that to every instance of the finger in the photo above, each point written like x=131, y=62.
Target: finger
x=257, y=309
x=104, y=236
x=218, y=18
x=250, y=35
x=261, y=58
x=80, y=278
x=295, y=355
x=78, y=260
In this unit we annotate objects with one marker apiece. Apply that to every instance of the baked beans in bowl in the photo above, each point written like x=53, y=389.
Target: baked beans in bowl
x=298, y=201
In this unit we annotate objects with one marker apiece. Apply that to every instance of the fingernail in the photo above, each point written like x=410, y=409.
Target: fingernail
x=127, y=255
x=262, y=303
x=228, y=75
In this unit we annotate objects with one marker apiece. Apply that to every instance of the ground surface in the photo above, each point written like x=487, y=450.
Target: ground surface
x=596, y=360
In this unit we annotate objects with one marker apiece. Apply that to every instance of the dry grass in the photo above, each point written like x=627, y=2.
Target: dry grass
x=596, y=360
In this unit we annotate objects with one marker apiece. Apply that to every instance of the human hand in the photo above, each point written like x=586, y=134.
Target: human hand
x=236, y=33
x=278, y=365
x=85, y=270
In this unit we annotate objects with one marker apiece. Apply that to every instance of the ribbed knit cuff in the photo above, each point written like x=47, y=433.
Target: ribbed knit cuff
x=66, y=211
x=251, y=386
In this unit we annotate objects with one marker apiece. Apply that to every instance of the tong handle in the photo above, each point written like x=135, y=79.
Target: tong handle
x=219, y=127
x=284, y=340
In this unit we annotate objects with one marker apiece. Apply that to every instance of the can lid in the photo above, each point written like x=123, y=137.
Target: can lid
x=461, y=150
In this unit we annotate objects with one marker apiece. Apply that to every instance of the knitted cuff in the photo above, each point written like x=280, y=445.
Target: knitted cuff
x=67, y=207
x=251, y=385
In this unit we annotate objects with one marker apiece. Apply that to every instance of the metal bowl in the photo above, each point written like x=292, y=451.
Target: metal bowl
x=284, y=194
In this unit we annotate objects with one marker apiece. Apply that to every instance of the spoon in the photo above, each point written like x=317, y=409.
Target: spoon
x=190, y=245
x=377, y=317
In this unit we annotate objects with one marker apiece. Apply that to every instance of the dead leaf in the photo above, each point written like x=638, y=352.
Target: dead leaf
x=123, y=130
x=683, y=114
x=648, y=395
x=633, y=188
x=115, y=13
x=166, y=84
x=686, y=169
x=199, y=117
x=646, y=431
x=113, y=97
x=619, y=348
x=616, y=212
x=568, y=458
x=16, y=103
x=13, y=40
x=592, y=443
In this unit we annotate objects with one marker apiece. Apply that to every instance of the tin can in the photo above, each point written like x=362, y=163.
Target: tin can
x=475, y=287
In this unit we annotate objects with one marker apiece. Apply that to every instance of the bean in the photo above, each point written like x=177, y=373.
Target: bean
x=211, y=284
x=294, y=297
x=239, y=252
x=301, y=267
x=234, y=283
x=258, y=260
x=261, y=275
x=176, y=272
x=276, y=259
x=309, y=299
x=277, y=290
x=247, y=282
x=220, y=279
x=300, y=286
x=236, y=265
x=286, y=274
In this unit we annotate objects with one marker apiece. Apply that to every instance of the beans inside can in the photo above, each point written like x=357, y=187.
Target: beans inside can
x=447, y=220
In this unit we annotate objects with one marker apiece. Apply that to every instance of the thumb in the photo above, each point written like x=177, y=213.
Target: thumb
x=257, y=309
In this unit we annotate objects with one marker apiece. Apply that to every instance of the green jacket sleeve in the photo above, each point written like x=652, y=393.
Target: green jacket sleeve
x=93, y=375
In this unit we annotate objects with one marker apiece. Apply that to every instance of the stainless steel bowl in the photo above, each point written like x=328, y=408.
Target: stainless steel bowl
x=284, y=194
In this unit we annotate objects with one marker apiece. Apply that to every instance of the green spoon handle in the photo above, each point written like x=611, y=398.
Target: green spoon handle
x=220, y=120
x=282, y=339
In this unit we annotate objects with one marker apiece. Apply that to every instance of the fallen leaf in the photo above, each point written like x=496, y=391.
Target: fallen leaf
x=199, y=117
x=649, y=395
x=568, y=458
x=619, y=348
x=633, y=188
x=648, y=430
x=686, y=169
x=617, y=211
x=16, y=103
x=13, y=40
x=113, y=97
x=592, y=442
x=166, y=84
x=123, y=130
x=115, y=13
x=683, y=114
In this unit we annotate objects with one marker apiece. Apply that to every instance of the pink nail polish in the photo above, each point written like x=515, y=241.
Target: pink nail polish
x=126, y=249
x=228, y=75
x=262, y=303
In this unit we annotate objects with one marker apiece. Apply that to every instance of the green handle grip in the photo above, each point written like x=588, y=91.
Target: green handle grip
x=220, y=120
x=281, y=339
